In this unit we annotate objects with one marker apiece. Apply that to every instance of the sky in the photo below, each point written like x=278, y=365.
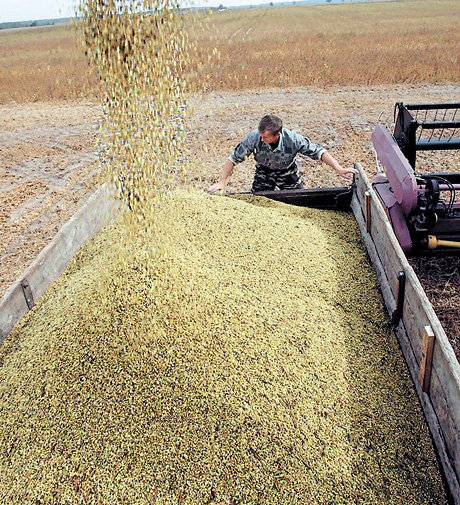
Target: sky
x=29, y=10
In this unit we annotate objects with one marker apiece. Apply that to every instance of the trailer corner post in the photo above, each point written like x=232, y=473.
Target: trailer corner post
x=367, y=204
x=427, y=359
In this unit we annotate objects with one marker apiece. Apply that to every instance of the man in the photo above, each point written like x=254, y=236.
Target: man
x=274, y=149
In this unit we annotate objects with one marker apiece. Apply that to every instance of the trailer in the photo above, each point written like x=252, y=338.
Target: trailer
x=430, y=358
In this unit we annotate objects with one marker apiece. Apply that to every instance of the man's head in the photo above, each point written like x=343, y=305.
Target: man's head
x=269, y=128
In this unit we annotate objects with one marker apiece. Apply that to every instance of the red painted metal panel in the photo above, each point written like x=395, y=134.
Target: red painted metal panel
x=398, y=170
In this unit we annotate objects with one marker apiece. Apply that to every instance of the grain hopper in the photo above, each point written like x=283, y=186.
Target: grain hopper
x=429, y=356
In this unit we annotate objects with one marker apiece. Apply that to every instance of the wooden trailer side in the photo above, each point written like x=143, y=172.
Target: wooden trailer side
x=416, y=330
x=53, y=260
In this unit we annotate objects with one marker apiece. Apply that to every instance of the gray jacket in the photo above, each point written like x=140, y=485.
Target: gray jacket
x=282, y=157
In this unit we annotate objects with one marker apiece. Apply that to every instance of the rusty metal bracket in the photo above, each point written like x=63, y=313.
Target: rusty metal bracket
x=398, y=312
x=367, y=207
x=27, y=293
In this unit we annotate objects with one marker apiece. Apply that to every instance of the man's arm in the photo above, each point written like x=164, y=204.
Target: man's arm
x=241, y=152
x=227, y=170
x=332, y=162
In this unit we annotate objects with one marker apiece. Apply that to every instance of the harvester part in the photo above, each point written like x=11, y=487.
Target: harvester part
x=433, y=243
x=398, y=171
x=420, y=205
x=412, y=121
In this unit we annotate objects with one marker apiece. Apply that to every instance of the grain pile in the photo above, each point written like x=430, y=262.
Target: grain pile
x=251, y=364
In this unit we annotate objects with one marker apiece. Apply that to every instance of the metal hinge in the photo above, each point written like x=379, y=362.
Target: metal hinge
x=27, y=293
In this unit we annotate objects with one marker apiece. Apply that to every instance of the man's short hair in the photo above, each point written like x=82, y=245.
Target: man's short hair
x=270, y=123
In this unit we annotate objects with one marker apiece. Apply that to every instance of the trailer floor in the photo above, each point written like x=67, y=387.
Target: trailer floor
x=49, y=163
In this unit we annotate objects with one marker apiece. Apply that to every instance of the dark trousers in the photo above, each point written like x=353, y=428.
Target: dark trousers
x=266, y=179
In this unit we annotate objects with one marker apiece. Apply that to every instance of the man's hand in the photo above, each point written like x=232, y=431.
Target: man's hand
x=332, y=162
x=347, y=173
x=227, y=169
x=218, y=186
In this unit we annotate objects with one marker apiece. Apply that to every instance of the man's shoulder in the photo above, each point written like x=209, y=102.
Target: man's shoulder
x=292, y=135
x=254, y=134
x=252, y=138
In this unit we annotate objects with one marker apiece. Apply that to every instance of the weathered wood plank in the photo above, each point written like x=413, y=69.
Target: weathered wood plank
x=55, y=257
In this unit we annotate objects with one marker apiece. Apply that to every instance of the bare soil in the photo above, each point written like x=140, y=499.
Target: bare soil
x=48, y=171
x=50, y=165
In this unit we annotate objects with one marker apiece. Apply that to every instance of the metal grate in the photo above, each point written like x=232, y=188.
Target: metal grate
x=437, y=125
x=423, y=127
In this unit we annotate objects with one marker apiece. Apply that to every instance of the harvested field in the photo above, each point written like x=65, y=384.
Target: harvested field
x=365, y=44
x=369, y=44
x=245, y=368
x=49, y=169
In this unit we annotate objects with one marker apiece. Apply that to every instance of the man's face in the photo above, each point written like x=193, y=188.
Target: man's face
x=268, y=137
